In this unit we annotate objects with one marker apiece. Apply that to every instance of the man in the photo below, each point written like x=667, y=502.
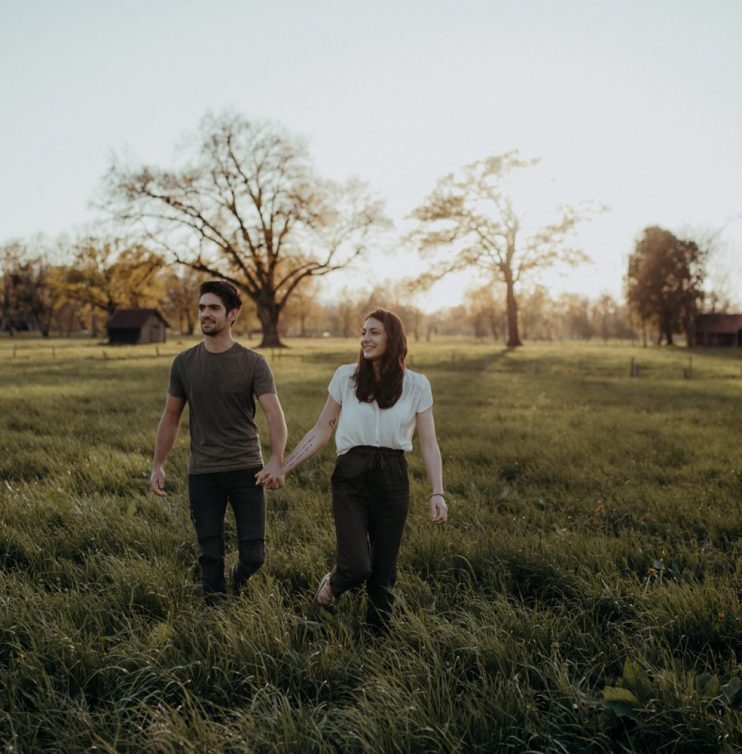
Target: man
x=219, y=379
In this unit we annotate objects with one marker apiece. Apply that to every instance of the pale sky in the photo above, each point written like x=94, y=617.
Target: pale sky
x=633, y=103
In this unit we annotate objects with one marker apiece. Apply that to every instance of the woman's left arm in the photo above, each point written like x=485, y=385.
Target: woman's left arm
x=432, y=457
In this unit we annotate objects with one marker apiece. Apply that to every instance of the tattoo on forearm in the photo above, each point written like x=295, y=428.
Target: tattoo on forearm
x=302, y=450
x=333, y=422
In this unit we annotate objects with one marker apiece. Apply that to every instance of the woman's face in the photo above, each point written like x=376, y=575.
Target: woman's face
x=373, y=339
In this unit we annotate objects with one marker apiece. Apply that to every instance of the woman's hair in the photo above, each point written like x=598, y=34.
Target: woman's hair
x=388, y=388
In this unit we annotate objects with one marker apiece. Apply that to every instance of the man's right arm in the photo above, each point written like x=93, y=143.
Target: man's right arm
x=166, y=432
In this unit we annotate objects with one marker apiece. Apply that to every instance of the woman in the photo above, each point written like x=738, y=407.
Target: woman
x=376, y=404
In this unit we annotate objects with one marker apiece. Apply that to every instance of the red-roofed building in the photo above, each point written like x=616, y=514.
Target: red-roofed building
x=132, y=326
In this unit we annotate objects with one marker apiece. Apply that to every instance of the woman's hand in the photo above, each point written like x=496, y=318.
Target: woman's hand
x=438, y=509
x=271, y=476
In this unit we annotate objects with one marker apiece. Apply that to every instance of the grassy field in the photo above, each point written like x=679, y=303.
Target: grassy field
x=584, y=596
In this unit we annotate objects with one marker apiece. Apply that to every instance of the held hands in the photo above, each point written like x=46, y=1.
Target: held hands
x=438, y=508
x=271, y=476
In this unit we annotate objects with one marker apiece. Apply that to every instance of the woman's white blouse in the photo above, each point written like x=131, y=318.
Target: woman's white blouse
x=367, y=424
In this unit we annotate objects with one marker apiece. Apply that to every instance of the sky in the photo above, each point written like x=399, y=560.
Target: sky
x=634, y=104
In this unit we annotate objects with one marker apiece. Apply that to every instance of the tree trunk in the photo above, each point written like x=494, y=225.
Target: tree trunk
x=512, y=312
x=190, y=321
x=44, y=327
x=268, y=314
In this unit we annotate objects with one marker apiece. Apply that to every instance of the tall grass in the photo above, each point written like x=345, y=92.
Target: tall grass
x=583, y=598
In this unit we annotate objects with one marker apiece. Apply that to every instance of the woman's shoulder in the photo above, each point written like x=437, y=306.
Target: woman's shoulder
x=346, y=369
x=344, y=372
x=416, y=379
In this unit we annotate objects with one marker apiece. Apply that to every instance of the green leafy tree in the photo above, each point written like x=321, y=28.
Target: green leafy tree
x=32, y=286
x=109, y=273
x=664, y=283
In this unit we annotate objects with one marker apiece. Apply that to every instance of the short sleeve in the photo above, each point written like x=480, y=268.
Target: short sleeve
x=263, y=381
x=175, y=388
x=424, y=395
x=335, y=388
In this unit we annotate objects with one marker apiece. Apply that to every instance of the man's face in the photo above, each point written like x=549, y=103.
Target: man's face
x=213, y=314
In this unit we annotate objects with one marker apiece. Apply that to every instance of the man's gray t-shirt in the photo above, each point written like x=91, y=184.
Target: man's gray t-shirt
x=221, y=389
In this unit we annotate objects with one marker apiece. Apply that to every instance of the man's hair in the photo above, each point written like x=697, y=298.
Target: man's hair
x=387, y=390
x=226, y=291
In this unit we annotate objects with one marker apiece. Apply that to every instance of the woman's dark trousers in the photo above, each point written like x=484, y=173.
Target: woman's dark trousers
x=370, y=501
x=208, y=496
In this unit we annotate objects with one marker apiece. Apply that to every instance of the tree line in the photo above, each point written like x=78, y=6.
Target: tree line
x=243, y=202
x=78, y=297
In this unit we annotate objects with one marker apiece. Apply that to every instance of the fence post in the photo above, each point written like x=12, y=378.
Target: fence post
x=688, y=371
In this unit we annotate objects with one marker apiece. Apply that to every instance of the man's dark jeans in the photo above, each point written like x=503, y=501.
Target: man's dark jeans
x=208, y=496
x=370, y=501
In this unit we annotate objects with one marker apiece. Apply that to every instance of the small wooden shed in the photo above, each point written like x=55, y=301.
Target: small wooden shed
x=719, y=330
x=132, y=326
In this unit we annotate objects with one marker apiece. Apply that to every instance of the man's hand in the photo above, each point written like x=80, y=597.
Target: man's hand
x=157, y=481
x=271, y=476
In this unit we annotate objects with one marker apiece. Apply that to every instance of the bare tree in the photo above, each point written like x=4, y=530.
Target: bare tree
x=486, y=311
x=471, y=216
x=574, y=312
x=246, y=206
x=538, y=314
x=722, y=264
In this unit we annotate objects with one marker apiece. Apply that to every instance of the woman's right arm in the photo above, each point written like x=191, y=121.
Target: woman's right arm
x=313, y=440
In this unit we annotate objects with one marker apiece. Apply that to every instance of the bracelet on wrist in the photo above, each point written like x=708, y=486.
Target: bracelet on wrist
x=438, y=494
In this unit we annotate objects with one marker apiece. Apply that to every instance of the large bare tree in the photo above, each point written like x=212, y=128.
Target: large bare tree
x=245, y=205
x=472, y=218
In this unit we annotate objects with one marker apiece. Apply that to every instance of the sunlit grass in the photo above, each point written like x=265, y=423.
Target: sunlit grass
x=583, y=597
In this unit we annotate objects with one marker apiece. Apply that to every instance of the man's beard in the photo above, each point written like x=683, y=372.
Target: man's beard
x=215, y=329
